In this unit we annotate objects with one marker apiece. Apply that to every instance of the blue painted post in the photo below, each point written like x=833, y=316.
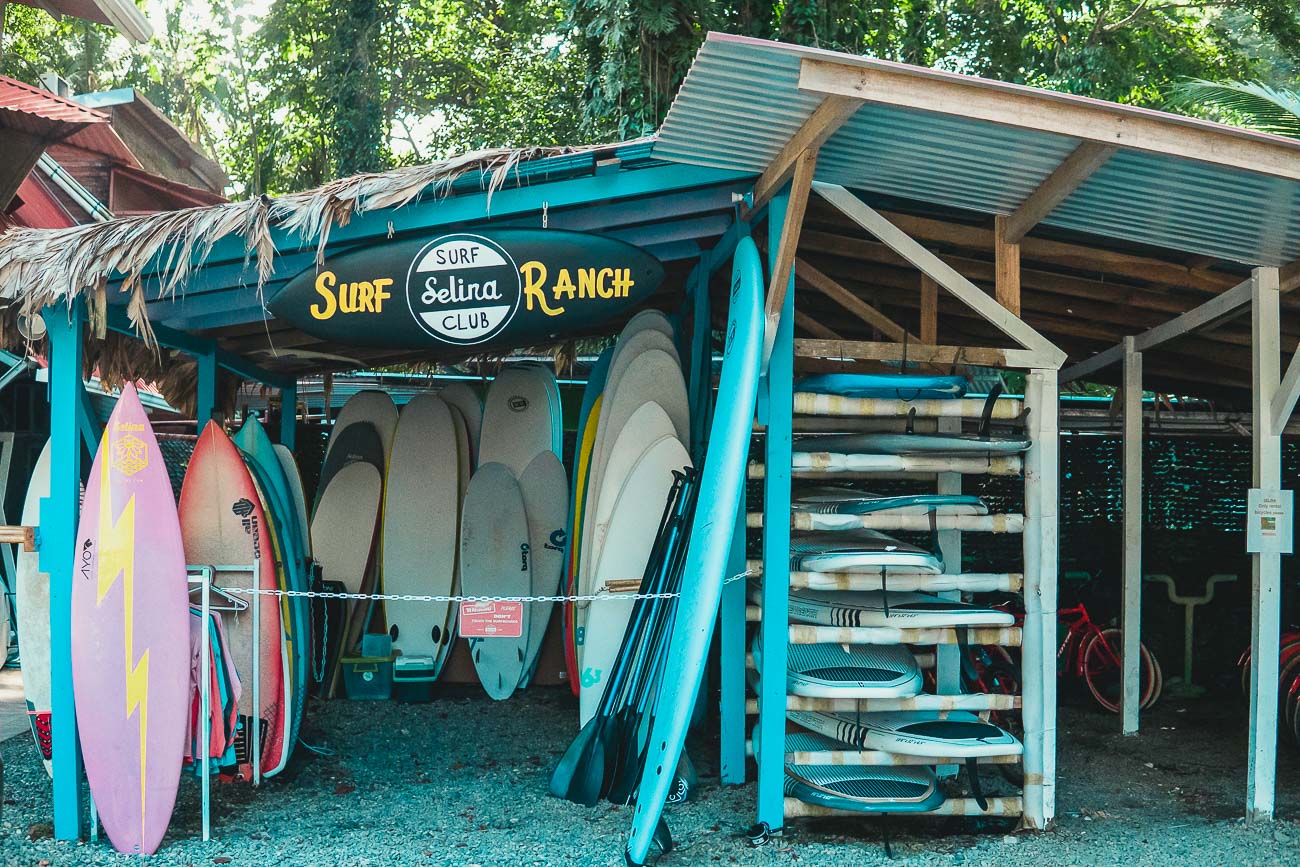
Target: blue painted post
x=58, y=537
x=701, y=382
x=206, y=401
x=779, y=388
x=288, y=415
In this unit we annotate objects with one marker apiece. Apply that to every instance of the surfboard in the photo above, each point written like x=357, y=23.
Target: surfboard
x=848, y=671
x=648, y=319
x=518, y=423
x=368, y=405
x=629, y=539
x=949, y=734
x=722, y=484
x=864, y=788
x=463, y=397
x=907, y=386
x=130, y=633
x=32, y=597
x=830, y=500
x=581, y=471
x=421, y=524
x=289, y=465
x=223, y=523
x=557, y=412
x=904, y=609
x=358, y=442
x=859, y=551
x=545, y=489
x=495, y=561
x=911, y=444
x=343, y=528
x=647, y=426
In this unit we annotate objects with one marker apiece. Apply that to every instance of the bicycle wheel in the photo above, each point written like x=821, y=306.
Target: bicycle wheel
x=1101, y=671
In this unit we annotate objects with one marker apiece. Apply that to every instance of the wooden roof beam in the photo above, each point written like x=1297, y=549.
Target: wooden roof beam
x=828, y=117
x=815, y=327
x=1043, y=112
x=834, y=290
x=1056, y=188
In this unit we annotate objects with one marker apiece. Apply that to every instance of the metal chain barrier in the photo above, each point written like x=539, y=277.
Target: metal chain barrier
x=407, y=597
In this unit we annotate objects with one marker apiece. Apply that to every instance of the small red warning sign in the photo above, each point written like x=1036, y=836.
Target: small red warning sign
x=491, y=619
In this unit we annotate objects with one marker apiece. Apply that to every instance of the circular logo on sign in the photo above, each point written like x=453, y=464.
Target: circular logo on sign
x=463, y=289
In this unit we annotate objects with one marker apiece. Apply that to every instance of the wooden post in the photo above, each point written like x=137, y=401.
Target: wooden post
x=59, y=516
x=1039, y=636
x=774, y=631
x=1131, y=622
x=1266, y=569
x=1006, y=257
x=929, y=311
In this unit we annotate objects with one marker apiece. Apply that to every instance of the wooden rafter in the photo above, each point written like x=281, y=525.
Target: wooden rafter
x=1056, y=188
x=850, y=301
x=828, y=117
x=1006, y=267
x=929, y=311
x=815, y=327
x=942, y=273
x=800, y=187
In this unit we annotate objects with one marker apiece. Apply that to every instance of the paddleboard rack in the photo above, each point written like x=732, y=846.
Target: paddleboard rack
x=937, y=648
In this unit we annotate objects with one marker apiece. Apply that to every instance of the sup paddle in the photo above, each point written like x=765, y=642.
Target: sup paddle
x=580, y=774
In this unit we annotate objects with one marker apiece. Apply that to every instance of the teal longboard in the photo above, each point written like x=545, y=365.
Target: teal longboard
x=721, y=486
x=859, y=551
x=898, y=386
x=911, y=444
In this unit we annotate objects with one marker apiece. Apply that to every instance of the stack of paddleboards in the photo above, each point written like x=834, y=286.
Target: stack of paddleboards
x=513, y=534
x=634, y=433
x=897, y=573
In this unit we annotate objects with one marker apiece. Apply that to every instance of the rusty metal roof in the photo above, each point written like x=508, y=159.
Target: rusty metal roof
x=38, y=112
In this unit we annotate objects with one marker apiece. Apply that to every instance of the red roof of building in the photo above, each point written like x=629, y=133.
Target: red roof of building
x=40, y=113
x=36, y=206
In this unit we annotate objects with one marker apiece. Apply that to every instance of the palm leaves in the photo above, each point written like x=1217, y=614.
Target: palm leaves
x=1252, y=103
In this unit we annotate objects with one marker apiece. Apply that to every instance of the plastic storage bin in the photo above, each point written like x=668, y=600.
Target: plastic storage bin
x=413, y=678
x=368, y=677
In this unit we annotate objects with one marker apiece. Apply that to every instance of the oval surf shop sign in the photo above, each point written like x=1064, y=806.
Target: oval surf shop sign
x=508, y=287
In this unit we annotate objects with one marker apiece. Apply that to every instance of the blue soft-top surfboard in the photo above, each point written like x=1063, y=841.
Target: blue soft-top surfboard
x=721, y=486
x=911, y=444
x=900, y=386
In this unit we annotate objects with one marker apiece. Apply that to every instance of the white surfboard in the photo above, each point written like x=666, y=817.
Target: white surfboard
x=628, y=543
x=343, y=528
x=848, y=670
x=369, y=405
x=903, y=609
x=33, y=602
x=545, y=489
x=464, y=398
x=517, y=420
x=652, y=319
x=647, y=426
x=465, y=460
x=420, y=532
x=495, y=561
x=951, y=734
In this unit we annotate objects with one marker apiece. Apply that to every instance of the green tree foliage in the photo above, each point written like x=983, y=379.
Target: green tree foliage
x=292, y=94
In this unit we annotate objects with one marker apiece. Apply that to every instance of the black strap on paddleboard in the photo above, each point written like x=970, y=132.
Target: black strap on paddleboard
x=963, y=638
x=972, y=771
x=884, y=589
x=911, y=421
x=986, y=417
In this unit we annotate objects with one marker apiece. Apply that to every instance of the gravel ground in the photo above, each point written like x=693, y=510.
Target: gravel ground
x=463, y=781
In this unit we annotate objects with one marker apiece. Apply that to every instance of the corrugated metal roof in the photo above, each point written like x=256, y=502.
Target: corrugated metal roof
x=40, y=112
x=741, y=102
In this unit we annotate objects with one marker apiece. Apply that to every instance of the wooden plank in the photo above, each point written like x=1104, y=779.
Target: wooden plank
x=1266, y=569
x=1131, y=619
x=1006, y=263
x=783, y=263
x=1001, y=806
x=830, y=463
x=1056, y=188
x=828, y=117
x=1043, y=111
x=814, y=326
x=807, y=403
x=942, y=273
x=876, y=758
x=929, y=311
x=849, y=301
x=924, y=701
x=969, y=582
x=25, y=536
x=810, y=521
x=947, y=356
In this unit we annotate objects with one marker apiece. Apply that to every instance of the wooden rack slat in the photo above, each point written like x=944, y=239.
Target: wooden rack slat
x=796, y=809
x=18, y=535
x=1000, y=523
x=969, y=582
x=973, y=702
x=876, y=758
x=833, y=404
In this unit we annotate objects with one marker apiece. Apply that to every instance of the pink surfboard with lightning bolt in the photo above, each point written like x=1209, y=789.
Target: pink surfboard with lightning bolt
x=130, y=633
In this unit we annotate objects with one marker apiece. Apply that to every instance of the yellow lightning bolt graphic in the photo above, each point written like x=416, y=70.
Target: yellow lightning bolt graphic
x=117, y=558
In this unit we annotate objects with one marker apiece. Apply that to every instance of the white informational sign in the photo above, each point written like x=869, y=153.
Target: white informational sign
x=1269, y=521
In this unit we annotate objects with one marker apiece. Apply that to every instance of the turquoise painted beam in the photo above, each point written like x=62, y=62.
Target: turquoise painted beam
x=88, y=422
x=58, y=536
x=205, y=405
x=288, y=416
x=779, y=388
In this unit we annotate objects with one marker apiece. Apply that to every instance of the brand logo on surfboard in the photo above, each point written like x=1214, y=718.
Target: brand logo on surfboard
x=243, y=507
x=129, y=455
x=517, y=403
x=508, y=287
